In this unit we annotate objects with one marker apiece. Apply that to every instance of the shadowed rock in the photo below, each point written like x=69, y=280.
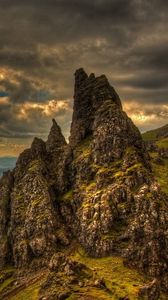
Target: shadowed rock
x=99, y=191
x=90, y=93
x=55, y=139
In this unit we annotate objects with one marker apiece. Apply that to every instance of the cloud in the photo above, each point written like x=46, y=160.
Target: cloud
x=146, y=116
x=20, y=90
x=43, y=42
x=33, y=119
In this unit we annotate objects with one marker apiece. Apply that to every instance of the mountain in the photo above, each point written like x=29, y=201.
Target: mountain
x=156, y=134
x=88, y=219
x=6, y=164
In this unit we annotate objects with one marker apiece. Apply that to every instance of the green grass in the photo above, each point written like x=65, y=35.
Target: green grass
x=35, y=165
x=149, y=135
x=152, y=134
x=89, y=187
x=29, y=293
x=134, y=167
x=162, y=143
x=120, y=280
x=83, y=149
x=161, y=174
x=160, y=170
x=6, y=283
x=7, y=273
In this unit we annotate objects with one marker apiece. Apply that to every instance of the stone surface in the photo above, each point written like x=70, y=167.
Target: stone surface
x=55, y=139
x=6, y=185
x=98, y=191
x=66, y=276
x=150, y=291
x=90, y=93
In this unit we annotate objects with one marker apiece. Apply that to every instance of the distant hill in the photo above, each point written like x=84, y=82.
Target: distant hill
x=7, y=163
x=157, y=145
x=156, y=134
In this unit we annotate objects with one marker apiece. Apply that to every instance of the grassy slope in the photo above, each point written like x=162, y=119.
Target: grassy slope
x=120, y=280
x=29, y=293
x=161, y=173
x=163, y=143
x=26, y=289
x=152, y=134
x=160, y=170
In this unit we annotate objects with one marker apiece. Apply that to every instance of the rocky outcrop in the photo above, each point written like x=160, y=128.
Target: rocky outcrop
x=108, y=165
x=163, y=152
x=66, y=276
x=99, y=191
x=6, y=184
x=147, y=248
x=35, y=227
x=113, y=132
x=151, y=291
x=55, y=139
x=90, y=94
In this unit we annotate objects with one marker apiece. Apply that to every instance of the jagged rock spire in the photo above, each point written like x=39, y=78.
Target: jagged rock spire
x=80, y=77
x=55, y=139
x=38, y=147
x=90, y=93
x=101, y=195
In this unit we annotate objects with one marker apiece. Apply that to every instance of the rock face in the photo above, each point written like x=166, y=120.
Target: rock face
x=77, y=275
x=6, y=185
x=55, y=138
x=90, y=93
x=98, y=190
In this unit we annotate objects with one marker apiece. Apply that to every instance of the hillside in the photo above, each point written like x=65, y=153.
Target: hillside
x=85, y=220
x=156, y=134
x=157, y=144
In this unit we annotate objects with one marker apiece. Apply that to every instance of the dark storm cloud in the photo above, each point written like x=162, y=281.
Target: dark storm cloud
x=147, y=81
x=35, y=123
x=24, y=90
x=43, y=42
x=23, y=59
x=151, y=57
x=51, y=22
x=120, y=22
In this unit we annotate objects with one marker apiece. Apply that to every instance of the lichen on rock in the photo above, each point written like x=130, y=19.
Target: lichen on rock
x=98, y=191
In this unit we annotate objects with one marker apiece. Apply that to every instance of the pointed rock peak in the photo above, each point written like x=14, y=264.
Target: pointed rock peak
x=55, y=125
x=37, y=141
x=92, y=76
x=80, y=73
x=90, y=94
x=102, y=78
x=37, y=144
x=38, y=147
x=80, y=77
x=55, y=128
x=55, y=139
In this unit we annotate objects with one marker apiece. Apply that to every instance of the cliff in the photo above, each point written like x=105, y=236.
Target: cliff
x=98, y=193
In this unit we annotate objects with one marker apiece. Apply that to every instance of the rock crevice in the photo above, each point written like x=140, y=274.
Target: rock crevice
x=99, y=190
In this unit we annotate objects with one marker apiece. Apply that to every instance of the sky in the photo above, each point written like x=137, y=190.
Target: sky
x=43, y=42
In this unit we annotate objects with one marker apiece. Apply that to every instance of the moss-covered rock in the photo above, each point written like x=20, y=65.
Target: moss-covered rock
x=98, y=191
